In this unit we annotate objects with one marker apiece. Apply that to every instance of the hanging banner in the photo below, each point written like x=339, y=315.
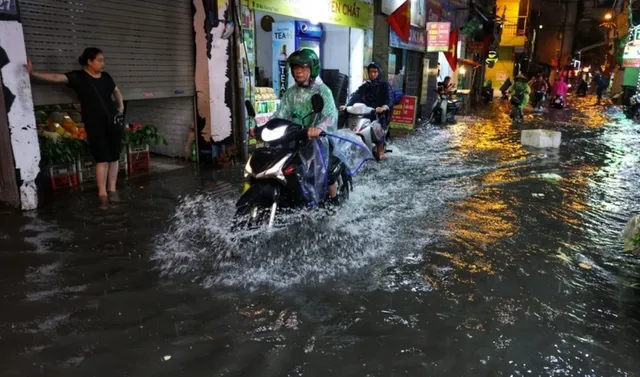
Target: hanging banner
x=417, y=40
x=438, y=36
x=404, y=114
x=356, y=14
x=418, y=10
x=434, y=12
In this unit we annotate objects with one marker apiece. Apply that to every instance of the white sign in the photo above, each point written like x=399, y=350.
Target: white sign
x=418, y=10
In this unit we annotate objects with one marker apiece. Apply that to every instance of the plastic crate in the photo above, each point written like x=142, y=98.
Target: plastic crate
x=86, y=169
x=63, y=176
x=124, y=161
x=138, y=158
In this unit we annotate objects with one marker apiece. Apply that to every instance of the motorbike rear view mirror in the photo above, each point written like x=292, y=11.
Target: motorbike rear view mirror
x=317, y=103
x=250, y=110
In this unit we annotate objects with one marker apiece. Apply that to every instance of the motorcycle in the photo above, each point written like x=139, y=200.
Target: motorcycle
x=516, y=101
x=274, y=173
x=443, y=103
x=369, y=131
x=538, y=99
x=557, y=102
x=632, y=110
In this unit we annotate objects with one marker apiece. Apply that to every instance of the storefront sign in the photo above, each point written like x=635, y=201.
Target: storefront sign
x=417, y=40
x=356, y=14
x=434, y=13
x=631, y=55
x=8, y=7
x=283, y=43
x=438, y=36
x=418, y=10
x=404, y=114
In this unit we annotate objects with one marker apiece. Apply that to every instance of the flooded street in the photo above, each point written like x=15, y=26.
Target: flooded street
x=464, y=254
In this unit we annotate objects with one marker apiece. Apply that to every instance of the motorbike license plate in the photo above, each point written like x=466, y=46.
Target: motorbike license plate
x=245, y=187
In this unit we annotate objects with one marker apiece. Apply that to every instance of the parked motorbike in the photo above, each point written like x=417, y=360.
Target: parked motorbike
x=632, y=110
x=446, y=105
x=358, y=120
x=538, y=99
x=274, y=172
x=557, y=102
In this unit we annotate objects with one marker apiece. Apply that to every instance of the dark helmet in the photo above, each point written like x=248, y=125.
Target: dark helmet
x=305, y=57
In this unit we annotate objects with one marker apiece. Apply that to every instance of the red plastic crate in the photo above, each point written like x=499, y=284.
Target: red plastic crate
x=63, y=176
x=139, y=161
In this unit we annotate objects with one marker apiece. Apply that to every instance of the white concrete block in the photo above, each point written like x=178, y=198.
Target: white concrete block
x=541, y=138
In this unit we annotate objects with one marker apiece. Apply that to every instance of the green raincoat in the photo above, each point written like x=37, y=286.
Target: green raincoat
x=296, y=104
x=521, y=87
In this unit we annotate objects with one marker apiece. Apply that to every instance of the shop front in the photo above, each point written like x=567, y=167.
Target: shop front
x=151, y=60
x=335, y=30
x=407, y=75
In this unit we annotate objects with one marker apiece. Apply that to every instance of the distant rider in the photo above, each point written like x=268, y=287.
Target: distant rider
x=295, y=104
x=539, y=89
x=378, y=94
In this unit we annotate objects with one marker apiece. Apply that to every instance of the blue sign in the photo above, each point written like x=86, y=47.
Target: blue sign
x=417, y=40
x=8, y=7
x=307, y=29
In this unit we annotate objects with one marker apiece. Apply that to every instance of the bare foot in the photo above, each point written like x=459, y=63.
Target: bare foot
x=114, y=197
x=104, y=202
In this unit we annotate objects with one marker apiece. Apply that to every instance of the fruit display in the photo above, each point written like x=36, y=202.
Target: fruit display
x=265, y=94
x=67, y=123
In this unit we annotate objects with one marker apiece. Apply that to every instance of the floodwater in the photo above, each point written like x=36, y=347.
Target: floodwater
x=464, y=254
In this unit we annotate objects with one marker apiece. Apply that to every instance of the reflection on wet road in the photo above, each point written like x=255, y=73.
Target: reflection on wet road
x=465, y=254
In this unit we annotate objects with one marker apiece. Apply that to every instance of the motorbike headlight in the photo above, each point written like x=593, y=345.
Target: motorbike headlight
x=247, y=169
x=275, y=134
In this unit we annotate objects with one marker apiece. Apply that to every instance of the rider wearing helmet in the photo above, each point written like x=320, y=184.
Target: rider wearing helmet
x=295, y=105
x=522, y=90
x=376, y=93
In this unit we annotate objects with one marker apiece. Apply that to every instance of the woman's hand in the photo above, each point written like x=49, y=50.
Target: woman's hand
x=380, y=110
x=29, y=66
x=341, y=108
x=314, y=132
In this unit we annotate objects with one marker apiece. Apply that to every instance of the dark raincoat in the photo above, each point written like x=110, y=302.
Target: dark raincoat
x=375, y=93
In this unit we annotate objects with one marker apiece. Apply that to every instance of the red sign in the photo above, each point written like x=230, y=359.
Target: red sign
x=438, y=36
x=404, y=114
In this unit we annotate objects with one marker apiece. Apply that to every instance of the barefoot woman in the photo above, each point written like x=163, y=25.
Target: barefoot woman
x=94, y=88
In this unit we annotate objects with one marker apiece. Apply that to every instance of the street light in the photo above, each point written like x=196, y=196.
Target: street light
x=608, y=16
x=540, y=26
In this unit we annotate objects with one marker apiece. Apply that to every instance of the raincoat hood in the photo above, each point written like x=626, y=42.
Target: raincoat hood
x=380, y=72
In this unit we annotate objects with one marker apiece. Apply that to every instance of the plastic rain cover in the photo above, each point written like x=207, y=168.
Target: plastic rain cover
x=315, y=161
x=349, y=148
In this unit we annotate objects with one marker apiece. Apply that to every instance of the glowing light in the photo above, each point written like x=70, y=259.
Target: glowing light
x=463, y=71
x=608, y=16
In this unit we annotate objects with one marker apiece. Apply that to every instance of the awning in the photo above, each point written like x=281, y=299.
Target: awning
x=469, y=62
x=593, y=46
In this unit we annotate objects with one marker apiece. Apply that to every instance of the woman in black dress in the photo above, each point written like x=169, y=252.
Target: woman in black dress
x=94, y=88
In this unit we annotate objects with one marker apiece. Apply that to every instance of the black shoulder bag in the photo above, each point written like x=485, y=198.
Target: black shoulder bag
x=117, y=120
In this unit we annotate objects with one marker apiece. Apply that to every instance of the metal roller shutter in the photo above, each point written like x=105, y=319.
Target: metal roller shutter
x=413, y=81
x=148, y=44
x=172, y=116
